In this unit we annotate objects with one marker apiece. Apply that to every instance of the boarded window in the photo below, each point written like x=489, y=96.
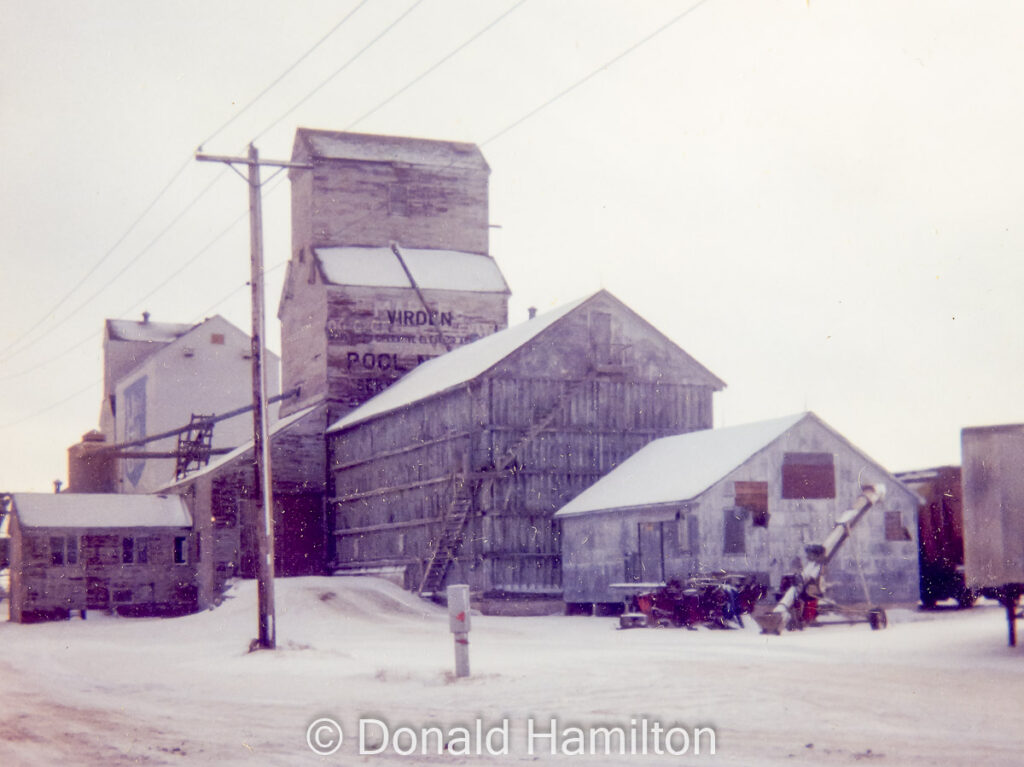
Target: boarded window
x=688, y=532
x=894, y=529
x=808, y=475
x=753, y=496
x=217, y=339
x=735, y=531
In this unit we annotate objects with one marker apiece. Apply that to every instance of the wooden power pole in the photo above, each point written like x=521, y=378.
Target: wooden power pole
x=267, y=638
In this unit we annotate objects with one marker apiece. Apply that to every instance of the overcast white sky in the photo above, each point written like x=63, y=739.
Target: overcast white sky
x=819, y=201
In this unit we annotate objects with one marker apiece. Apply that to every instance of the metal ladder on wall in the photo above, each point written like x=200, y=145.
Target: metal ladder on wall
x=446, y=545
x=194, y=445
x=448, y=541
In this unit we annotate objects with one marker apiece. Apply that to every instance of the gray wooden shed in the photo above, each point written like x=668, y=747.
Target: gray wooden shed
x=742, y=499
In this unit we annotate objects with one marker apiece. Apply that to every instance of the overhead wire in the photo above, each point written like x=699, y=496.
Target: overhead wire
x=284, y=74
x=608, y=64
x=340, y=69
x=508, y=128
x=140, y=301
x=109, y=252
x=465, y=44
x=159, y=196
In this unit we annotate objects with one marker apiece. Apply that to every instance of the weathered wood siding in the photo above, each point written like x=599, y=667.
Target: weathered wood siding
x=394, y=475
x=229, y=497
x=376, y=335
x=303, y=315
x=99, y=577
x=603, y=548
x=349, y=202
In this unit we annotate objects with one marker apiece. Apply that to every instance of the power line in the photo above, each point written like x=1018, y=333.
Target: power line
x=102, y=259
x=51, y=406
x=611, y=62
x=443, y=60
x=125, y=312
x=340, y=69
x=284, y=74
x=195, y=200
x=163, y=191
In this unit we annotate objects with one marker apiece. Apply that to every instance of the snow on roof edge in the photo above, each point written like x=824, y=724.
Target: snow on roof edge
x=458, y=366
x=732, y=446
x=105, y=510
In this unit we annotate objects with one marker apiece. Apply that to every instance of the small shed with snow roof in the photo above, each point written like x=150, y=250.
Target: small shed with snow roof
x=135, y=554
x=743, y=499
x=454, y=471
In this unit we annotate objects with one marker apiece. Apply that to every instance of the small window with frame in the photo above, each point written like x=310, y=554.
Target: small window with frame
x=181, y=550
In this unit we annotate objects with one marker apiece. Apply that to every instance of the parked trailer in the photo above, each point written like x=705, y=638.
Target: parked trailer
x=993, y=510
x=940, y=535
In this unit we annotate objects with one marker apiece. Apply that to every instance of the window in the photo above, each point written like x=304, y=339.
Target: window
x=56, y=551
x=180, y=552
x=753, y=496
x=894, y=529
x=217, y=339
x=128, y=550
x=142, y=551
x=735, y=531
x=688, y=532
x=808, y=475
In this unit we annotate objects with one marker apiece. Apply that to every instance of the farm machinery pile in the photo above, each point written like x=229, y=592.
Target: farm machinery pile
x=713, y=601
x=720, y=601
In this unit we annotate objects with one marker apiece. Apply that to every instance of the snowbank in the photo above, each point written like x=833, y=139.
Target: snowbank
x=931, y=689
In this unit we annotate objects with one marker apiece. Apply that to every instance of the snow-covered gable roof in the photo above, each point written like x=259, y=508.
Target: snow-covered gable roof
x=144, y=330
x=100, y=510
x=674, y=469
x=365, y=147
x=198, y=334
x=431, y=269
x=454, y=368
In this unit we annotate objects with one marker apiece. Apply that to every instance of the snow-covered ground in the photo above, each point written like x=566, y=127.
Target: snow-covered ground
x=935, y=689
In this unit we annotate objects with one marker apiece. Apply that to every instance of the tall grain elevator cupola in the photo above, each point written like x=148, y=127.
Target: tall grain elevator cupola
x=390, y=263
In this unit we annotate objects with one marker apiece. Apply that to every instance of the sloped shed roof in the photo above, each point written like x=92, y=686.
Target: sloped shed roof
x=339, y=145
x=679, y=468
x=100, y=510
x=431, y=269
x=456, y=367
x=467, y=362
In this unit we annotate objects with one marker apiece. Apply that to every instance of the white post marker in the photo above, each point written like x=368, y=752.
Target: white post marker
x=458, y=620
